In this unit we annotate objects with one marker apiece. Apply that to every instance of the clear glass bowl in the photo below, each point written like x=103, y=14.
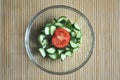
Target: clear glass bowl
x=70, y=64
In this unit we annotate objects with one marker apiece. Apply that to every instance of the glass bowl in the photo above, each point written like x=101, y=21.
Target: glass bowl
x=70, y=64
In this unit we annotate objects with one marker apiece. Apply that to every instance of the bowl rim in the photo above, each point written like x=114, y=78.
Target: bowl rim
x=27, y=33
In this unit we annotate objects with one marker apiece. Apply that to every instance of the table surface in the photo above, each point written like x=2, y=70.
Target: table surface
x=104, y=63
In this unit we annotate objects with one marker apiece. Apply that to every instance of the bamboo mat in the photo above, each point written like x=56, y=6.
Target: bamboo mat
x=104, y=63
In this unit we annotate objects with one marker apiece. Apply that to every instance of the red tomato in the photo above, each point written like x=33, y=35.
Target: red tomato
x=60, y=38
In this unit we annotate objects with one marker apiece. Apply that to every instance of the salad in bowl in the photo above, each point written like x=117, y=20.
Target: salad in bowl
x=59, y=39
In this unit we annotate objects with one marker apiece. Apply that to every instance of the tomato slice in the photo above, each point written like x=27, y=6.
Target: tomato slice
x=60, y=38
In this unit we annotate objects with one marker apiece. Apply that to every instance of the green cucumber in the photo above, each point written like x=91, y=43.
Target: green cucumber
x=59, y=51
x=76, y=26
x=73, y=45
x=73, y=34
x=75, y=49
x=67, y=48
x=67, y=29
x=51, y=50
x=45, y=41
x=78, y=34
x=73, y=39
x=63, y=56
x=41, y=38
x=68, y=53
x=44, y=46
x=42, y=51
x=53, y=56
x=52, y=29
x=61, y=18
x=59, y=25
x=47, y=31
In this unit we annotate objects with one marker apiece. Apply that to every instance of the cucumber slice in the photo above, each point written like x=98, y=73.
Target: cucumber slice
x=75, y=49
x=73, y=45
x=63, y=56
x=76, y=26
x=67, y=29
x=67, y=48
x=59, y=25
x=42, y=51
x=73, y=34
x=76, y=31
x=41, y=38
x=68, y=53
x=53, y=56
x=79, y=35
x=51, y=50
x=60, y=51
x=47, y=31
x=44, y=46
x=45, y=42
x=52, y=29
x=73, y=39
x=61, y=18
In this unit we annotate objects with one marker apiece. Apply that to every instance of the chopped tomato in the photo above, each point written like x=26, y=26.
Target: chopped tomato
x=60, y=38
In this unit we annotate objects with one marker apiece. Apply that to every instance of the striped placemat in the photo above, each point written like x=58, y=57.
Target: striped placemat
x=104, y=16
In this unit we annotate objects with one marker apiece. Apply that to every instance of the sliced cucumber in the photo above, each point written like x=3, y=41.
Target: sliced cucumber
x=75, y=49
x=73, y=45
x=68, y=53
x=47, y=31
x=61, y=18
x=53, y=56
x=45, y=41
x=67, y=29
x=59, y=51
x=44, y=46
x=59, y=25
x=79, y=35
x=51, y=50
x=67, y=48
x=41, y=38
x=76, y=26
x=73, y=39
x=76, y=31
x=42, y=51
x=73, y=34
x=52, y=29
x=80, y=40
x=63, y=56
